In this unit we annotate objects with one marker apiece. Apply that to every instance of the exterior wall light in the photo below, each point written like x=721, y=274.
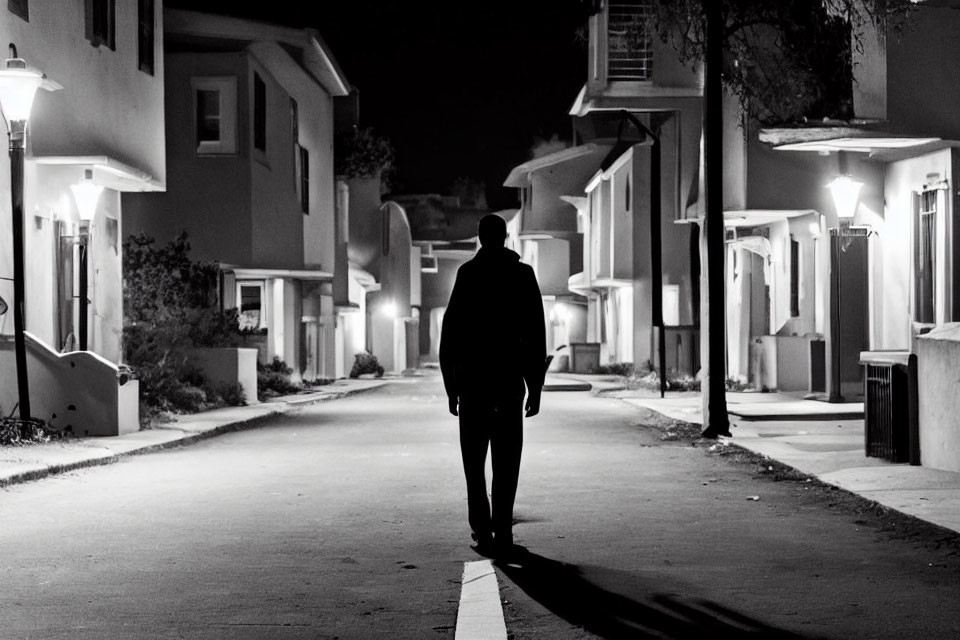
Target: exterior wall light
x=846, y=197
x=18, y=87
x=86, y=193
x=389, y=309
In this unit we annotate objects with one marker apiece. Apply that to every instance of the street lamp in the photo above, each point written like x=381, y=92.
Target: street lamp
x=86, y=193
x=846, y=198
x=18, y=86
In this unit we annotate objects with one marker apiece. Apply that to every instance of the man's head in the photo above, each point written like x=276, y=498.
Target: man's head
x=492, y=231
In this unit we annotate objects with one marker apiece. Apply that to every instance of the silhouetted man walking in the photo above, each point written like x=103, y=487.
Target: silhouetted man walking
x=492, y=349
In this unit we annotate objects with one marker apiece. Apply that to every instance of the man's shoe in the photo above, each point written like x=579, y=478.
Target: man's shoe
x=483, y=544
x=503, y=547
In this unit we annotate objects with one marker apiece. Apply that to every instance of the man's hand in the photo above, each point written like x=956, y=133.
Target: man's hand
x=533, y=404
x=452, y=403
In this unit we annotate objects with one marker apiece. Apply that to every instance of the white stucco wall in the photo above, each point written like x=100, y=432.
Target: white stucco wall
x=893, y=250
x=938, y=377
x=107, y=105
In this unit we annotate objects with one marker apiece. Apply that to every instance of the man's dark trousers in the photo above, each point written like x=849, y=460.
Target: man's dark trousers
x=499, y=425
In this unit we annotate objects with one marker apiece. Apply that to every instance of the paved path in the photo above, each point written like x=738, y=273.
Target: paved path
x=346, y=519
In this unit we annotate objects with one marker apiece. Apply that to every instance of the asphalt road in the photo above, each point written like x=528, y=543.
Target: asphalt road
x=348, y=520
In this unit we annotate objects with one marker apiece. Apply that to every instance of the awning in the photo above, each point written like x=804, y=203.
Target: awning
x=244, y=273
x=364, y=278
x=107, y=172
x=836, y=139
x=520, y=175
x=755, y=217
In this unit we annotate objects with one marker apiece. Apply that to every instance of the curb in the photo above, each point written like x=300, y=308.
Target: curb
x=873, y=504
x=810, y=477
x=283, y=407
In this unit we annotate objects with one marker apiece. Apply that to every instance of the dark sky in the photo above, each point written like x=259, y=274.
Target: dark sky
x=461, y=89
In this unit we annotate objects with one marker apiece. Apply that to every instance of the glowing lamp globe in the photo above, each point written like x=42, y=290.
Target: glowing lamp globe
x=846, y=196
x=86, y=193
x=18, y=87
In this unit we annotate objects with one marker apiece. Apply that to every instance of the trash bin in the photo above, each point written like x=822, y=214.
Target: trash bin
x=584, y=357
x=890, y=405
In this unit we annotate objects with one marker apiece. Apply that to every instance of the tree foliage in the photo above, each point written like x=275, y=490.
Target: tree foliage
x=363, y=154
x=789, y=60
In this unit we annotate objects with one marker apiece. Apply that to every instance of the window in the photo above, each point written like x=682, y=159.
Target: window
x=252, y=313
x=626, y=195
x=925, y=234
x=630, y=36
x=259, y=113
x=145, y=38
x=215, y=107
x=100, y=23
x=304, y=180
x=295, y=130
x=794, y=278
x=19, y=8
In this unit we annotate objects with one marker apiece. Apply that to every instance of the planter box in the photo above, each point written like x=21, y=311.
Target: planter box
x=233, y=365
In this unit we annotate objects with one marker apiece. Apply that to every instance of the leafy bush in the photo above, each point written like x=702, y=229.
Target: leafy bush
x=228, y=393
x=170, y=307
x=614, y=369
x=365, y=362
x=676, y=381
x=735, y=384
x=14, y=431
x=274, y=380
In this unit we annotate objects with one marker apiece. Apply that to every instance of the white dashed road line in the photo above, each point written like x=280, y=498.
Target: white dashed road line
x=480, y=615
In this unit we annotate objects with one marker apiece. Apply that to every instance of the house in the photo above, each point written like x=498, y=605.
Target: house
x=385, y=277
x=640, y=265
x=89, y=144
x=547, y=232
x=250, y=123
x=444, y=229
x=890, y=213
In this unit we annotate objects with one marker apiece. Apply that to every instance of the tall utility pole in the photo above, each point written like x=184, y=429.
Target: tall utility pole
x=713, y=386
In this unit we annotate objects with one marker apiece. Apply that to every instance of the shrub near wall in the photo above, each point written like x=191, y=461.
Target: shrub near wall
x=170, y=308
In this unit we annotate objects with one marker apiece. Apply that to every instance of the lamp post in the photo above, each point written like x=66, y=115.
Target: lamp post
x=846, y=197
x=18, y=86
x=86, y=193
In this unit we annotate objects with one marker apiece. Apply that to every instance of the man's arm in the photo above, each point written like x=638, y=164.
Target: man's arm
x=534, y=341
x=449, y=332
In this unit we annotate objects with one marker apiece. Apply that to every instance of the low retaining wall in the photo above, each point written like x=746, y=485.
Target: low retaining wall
x=79, y=390
x=229, y=366
x=938, y=379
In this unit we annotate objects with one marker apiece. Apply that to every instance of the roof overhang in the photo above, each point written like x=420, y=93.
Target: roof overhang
x=625, y=95
x=833, y=139
x=317, y=57
x=256, y=273
x=364, y=278
x=107, y=172
x=520, y=175
x=610, y=283
x=869, y=145
x=754, y=217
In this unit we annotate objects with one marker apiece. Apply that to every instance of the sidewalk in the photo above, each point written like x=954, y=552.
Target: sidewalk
x=34, y=461
x=818, y=439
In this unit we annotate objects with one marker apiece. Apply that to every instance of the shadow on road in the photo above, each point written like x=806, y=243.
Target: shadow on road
x=566, y=591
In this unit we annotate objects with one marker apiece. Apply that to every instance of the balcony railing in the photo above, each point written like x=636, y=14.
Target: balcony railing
x=630, y=40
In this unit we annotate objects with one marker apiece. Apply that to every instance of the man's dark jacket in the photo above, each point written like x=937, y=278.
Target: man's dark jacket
x=493, y=338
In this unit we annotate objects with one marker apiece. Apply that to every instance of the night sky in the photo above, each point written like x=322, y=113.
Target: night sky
x=461, y=89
